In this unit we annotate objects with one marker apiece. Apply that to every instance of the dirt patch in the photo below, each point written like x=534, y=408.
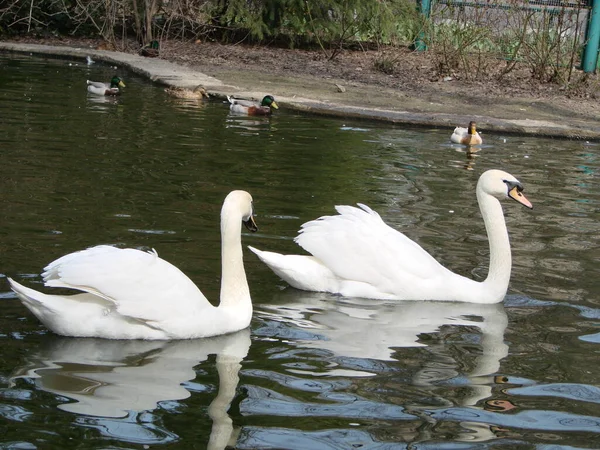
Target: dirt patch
x=413, y=73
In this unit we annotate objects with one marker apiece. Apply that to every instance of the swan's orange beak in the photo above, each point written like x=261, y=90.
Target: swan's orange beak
x=517, y=195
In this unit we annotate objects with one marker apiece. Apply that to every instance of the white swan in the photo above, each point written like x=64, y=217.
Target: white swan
x=466, y=136
x=357, y=255
x=130, y=294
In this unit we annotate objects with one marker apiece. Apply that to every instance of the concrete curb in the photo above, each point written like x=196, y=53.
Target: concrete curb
x=170, y=74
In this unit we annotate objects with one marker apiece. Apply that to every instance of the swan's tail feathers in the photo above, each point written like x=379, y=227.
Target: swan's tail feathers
x=35, y=301
x=24, y=293
x=299, y=271
x=265, y=257
x=63, y=314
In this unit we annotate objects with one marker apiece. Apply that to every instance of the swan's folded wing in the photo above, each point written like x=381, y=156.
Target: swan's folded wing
x=140, y=284
x=357, y=245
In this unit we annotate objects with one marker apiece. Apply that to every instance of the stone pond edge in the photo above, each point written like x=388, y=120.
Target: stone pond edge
x=167, y=73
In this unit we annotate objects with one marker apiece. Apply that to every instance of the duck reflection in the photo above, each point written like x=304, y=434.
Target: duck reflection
x=112, y=378
x=102, y=100
x=471, y=155
x=245, y=126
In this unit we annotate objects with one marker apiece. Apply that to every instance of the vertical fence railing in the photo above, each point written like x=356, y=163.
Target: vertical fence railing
x=424, y=7
x=590, y=60
x=592, y=44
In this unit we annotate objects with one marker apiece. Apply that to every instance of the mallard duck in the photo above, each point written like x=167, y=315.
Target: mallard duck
x=356, y=254
x=197, y=93
x=150, y=50
x=98, y=88
x=251, y=107
x=466, y=136
x=132, y=294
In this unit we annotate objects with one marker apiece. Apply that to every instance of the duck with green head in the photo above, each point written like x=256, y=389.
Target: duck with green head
x=98, y=88
x=251, y=107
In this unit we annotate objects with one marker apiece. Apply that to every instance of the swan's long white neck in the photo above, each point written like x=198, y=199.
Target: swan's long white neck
x=234, y=285
x=498, y=277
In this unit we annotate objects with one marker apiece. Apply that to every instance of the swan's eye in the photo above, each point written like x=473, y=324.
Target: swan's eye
x=513, y=184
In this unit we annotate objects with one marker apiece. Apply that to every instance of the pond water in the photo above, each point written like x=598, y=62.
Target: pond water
x=314, y=370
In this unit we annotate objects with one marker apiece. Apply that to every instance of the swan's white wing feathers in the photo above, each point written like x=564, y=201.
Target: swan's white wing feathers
x=140, y=284
x=357, y=245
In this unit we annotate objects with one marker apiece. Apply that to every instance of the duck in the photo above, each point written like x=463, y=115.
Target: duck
x=99, y=88
x=251, y=107
x=151, y=49
x=134, y=294
x=199, y=92
x=356, y=254
x=466, y=136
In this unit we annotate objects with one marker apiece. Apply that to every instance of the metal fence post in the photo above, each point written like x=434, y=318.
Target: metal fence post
x=424, y=7
x=590, y=51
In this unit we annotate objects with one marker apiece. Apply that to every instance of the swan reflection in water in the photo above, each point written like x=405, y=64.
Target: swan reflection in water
x=372, y=329
x=111, y=378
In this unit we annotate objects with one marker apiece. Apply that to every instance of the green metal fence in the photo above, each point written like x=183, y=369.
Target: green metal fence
x=573, y=23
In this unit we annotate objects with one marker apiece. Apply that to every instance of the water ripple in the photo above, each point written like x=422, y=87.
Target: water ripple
x=262, y=401
x=570, y=391
x=531, y=420
x=14, y=413
x=334, y=439
x=136, y=428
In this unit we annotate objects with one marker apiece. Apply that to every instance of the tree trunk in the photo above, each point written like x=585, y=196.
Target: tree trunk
x=138, y=22
x=150, y=11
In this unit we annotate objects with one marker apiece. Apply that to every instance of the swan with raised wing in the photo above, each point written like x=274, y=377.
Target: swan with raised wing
x=356, y=254
x=132, y=294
